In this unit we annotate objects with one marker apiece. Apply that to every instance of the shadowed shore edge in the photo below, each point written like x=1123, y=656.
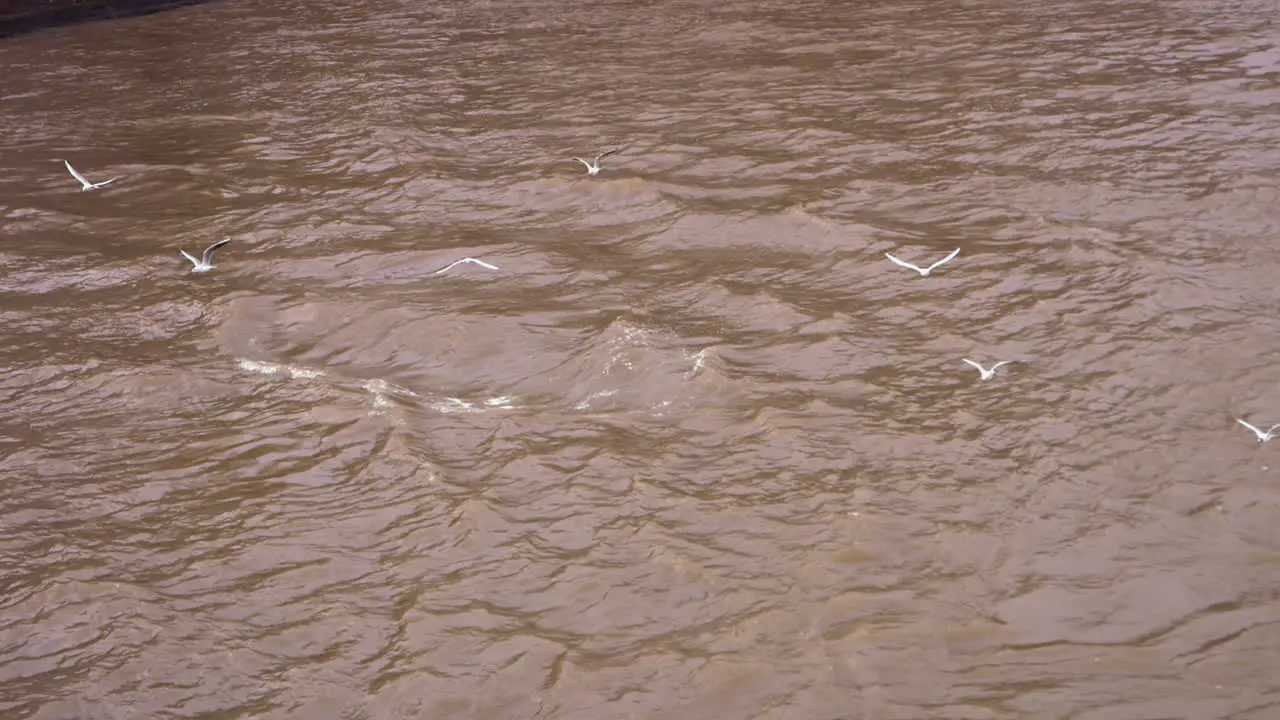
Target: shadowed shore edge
x=23, y=16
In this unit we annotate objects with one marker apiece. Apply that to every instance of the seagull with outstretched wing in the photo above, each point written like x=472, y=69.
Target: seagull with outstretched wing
x=205, y=262
x=1262, y=436
x=86, y=185
x=987, y=373
x=924, y=272
x=481, y=263
x=593, y=167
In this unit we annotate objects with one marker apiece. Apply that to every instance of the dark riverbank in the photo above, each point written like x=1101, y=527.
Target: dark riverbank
x=18, y=16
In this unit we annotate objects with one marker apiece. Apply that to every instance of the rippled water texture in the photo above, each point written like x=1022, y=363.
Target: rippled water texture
x=696, y=449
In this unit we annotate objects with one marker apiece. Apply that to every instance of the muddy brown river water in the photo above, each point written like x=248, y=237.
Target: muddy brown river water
x=697, y=448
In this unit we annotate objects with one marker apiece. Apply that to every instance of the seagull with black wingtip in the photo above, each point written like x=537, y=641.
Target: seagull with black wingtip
x=205, y=262
x=593, y=167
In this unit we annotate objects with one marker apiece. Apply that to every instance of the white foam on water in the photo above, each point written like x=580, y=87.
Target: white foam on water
x=266, y=368
x=381, y=387
x=586, y=404
x=453, y=404
x=699, y=359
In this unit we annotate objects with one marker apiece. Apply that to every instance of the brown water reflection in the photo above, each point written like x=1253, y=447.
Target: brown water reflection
x=696, y=449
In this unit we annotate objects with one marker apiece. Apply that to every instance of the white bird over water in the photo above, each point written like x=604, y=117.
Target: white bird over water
x=593, y=167
x=987, y=373
x=923, y=272
x=205, y=263
x=1262, y=436
x=481, y=263
x=85, y=183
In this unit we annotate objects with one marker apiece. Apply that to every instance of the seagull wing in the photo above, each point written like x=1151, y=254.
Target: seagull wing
x=1255, y=430
x=190, y=257
x=903, y=263
x=607, y=153
x=481, y=263
x=208, y=252
x=945, y=260
x=77, y=175
x=584, y=162
x=1002, y=362
x=980, y=368
x=106, y=182
x=451, y=265
x=1273, y=429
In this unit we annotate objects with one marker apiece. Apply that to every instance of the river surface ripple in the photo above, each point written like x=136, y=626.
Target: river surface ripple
x=696, y=449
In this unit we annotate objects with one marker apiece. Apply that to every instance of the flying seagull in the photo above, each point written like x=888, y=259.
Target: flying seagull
x=481, y=263
x=204, y=264
x=1262, y=436
x=593, y=167
x=987, y=373
x=924, y=272
x=85, y=183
